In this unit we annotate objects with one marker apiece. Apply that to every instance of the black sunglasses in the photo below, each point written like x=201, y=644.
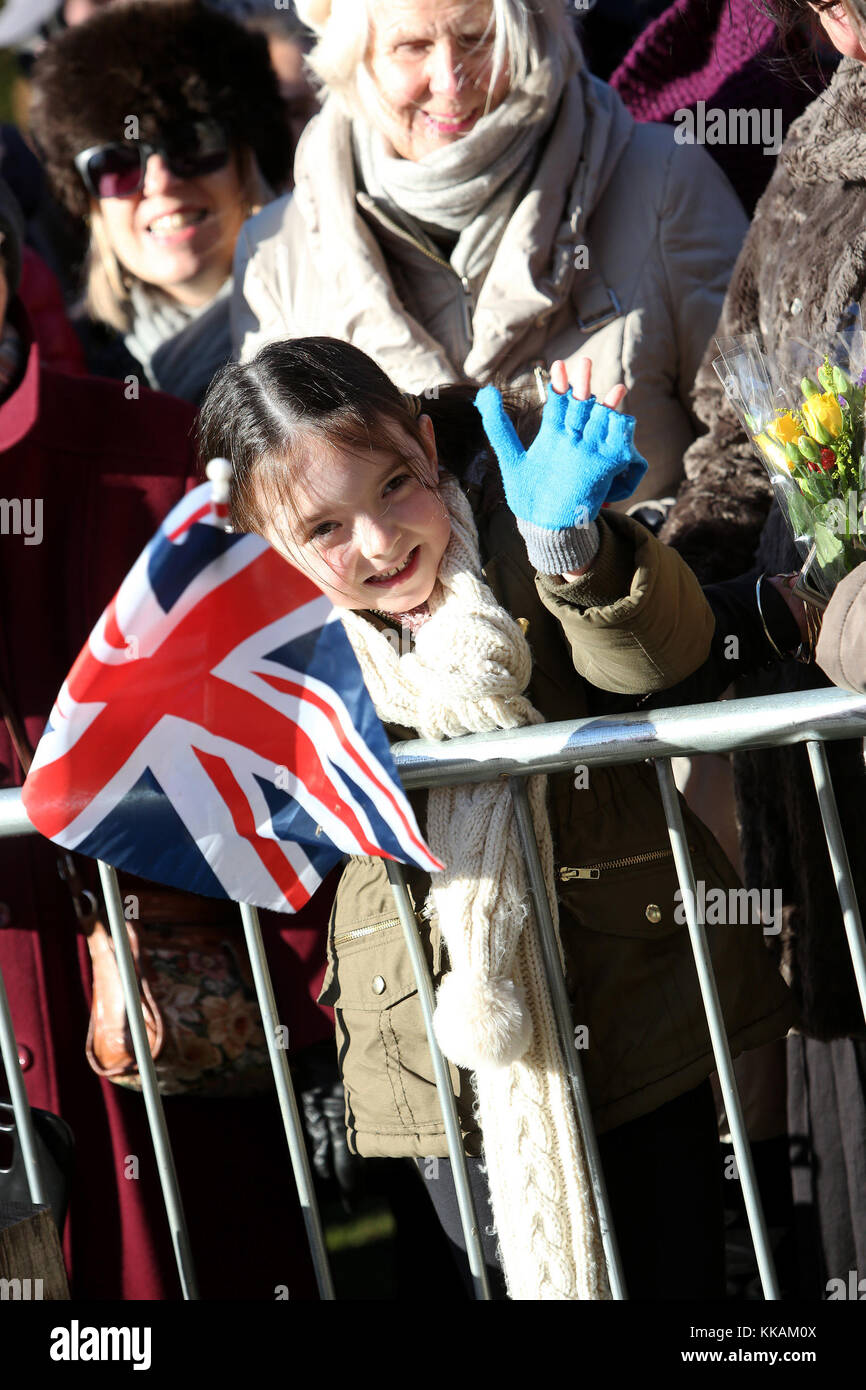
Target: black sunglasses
x=117, y=170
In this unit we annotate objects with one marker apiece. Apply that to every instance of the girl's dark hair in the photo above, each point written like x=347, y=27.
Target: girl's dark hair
x=257, y=414
x=168, y=63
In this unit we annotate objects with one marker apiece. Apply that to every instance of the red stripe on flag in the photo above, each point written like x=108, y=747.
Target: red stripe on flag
x=190, y=521
x=289, y=687
x=276, y=737
x=268, y=851
x=111, y=632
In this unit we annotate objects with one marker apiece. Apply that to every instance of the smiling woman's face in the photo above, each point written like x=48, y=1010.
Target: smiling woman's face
x=431, y=65
x=178, y=233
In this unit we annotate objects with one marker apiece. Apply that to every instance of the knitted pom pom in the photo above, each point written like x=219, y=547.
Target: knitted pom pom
x=481, y=1022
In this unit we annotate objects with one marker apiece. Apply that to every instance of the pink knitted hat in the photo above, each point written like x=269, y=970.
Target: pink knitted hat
x=692, y=51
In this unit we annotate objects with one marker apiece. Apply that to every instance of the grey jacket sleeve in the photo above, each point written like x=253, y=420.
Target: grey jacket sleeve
x=675, y=265
x=841, y=650
x=702, y=230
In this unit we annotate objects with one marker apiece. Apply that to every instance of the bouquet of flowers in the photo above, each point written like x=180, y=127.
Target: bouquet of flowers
x=803, y=410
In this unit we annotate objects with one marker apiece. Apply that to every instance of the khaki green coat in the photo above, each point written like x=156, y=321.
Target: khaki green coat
x=630, y=975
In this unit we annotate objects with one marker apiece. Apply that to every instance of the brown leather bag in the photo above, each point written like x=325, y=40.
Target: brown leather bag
x=109, y=1044
x=195, y=986
x=109, y=1041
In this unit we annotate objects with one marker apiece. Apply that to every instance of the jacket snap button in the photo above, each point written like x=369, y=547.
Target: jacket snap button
x=5, y=915
x=653, y=912
x=25, y=1057
x=378, y=984
x=796, y=306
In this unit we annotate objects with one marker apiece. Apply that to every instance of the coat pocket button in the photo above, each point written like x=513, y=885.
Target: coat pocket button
x=653, y=912
x=378, y=984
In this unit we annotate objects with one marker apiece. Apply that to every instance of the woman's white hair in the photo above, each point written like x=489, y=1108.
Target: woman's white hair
x=521, y=29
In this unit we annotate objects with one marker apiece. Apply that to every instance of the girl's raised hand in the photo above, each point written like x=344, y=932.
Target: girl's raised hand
x=582, y=388
x=582, y=456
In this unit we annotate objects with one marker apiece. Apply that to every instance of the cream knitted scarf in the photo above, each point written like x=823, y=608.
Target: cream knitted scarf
x=467, y=674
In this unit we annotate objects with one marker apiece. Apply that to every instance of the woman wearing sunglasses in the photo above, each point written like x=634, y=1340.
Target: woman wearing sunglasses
x=161, y=125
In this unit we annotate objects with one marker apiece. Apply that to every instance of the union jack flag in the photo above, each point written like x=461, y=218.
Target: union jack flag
x=215, y=732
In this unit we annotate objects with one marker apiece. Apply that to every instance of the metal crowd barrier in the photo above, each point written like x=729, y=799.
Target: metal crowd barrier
x=811, y=717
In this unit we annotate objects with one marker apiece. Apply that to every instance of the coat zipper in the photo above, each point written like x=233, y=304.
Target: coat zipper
x=594, y=871
x=366, y=931
x=466, y=302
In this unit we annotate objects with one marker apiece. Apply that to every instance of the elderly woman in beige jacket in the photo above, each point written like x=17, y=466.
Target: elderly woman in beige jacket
x=472, y=203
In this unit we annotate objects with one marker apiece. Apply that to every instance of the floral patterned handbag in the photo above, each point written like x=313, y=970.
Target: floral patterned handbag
x=201, y=1014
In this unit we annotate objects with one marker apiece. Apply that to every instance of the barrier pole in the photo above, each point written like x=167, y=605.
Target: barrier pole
x=718, y=1032
x=841, y=864
x=288, y=1105
x=562, y=1012
x=453, y=1133
x=20, y=1103
x=149, y=1087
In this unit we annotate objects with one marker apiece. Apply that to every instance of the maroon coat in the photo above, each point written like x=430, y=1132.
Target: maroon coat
x=42, y=297
x=107, y=469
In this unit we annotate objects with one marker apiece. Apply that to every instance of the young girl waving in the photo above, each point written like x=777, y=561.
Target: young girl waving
x=471, y=610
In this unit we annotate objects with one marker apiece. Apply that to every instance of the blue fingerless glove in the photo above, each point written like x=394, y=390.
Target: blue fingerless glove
x=582, y=456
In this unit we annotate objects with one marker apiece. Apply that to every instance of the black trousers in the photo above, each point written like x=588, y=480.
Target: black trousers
x=665, y=1184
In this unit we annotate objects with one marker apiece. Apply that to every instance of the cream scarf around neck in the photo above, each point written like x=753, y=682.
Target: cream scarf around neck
x=467, y=674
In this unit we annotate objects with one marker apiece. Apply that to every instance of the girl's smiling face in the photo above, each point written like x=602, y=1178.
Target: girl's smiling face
x=369, y=530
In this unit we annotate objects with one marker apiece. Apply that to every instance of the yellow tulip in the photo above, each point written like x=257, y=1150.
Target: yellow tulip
x=823, y=410
x=773, y=452
x=785, y=429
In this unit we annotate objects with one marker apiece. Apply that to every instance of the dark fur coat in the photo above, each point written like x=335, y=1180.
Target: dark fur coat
x=802, y=264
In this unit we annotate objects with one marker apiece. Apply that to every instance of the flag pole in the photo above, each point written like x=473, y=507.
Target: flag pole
x=149, y=1087
x=286, y=1096
x=450, y=1117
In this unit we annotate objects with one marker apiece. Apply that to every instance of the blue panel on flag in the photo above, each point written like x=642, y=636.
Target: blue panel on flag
x=145, y=835
x=383, y=831
x=291, y=822
x=173, y=565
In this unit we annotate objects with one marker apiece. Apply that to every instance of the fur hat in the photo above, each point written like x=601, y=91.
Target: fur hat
x=166, y=62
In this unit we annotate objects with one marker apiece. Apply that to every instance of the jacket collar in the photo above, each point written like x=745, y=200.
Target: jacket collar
x=19, y=413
